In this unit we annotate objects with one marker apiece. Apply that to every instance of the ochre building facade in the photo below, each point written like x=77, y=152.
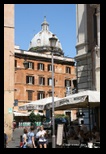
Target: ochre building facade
x=8, y=68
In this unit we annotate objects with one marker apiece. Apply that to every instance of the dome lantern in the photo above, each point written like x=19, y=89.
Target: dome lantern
x=45, y=25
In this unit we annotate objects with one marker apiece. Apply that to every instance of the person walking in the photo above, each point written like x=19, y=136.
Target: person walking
x=25, y=138
x=31, y=138
x=41, y=135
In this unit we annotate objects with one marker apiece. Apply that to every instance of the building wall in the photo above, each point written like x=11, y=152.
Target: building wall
x=8, y=68
x=88, y=47
x=60, y=76
x=20, y=80
x=88, y=61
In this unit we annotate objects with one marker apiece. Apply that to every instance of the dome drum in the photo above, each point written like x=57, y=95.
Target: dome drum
x=43, y=49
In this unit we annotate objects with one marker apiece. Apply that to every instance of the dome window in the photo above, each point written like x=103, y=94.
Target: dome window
x=38, y=41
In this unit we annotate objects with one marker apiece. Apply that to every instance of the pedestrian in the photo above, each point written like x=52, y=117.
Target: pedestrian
x=5, y=140
x=31, y=138
x=83, y=127
x=41, y=135
x=25, y=138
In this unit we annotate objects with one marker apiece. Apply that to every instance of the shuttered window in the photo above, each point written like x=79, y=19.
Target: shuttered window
x=50, y=68
x=30, y=65
x=30, y=94
x=40, y=66
x=41, y=81
x=30, y=79
x=40, y=95
x=50, y=82
x=68, y=70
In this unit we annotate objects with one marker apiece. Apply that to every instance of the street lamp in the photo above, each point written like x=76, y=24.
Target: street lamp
x=52, y=45
x=25, y=63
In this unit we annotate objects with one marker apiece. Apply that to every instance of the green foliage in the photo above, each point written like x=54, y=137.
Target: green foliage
x=38, y=118
x=62, y=116
x=34, y=48
x=34, y=118
x=66, y=116
x=59, y=115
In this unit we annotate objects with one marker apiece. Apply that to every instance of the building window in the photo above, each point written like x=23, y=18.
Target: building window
x=15, y=63
x=38, y=41
x=16, y=102
x=50, y=68
x=68, y=70
x=30, y=65
x=67, y=83
x=30, y=92
x=41, y=81
x=40, y=66
x=75, y=86
x=40, y=95
x=30, y=79
x=50, y=82
x=50, y=93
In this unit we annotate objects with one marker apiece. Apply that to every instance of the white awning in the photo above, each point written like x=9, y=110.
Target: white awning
x=38, y=104
x=20, y=114
x=79, y=100
x=25, y=114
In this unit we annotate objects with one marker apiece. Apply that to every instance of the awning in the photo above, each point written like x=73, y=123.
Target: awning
x=38, y=104
x=20, y=114
x=79, y=100
x=25, y=114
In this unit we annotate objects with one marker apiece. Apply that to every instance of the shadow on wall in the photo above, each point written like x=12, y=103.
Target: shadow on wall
x=8, y=126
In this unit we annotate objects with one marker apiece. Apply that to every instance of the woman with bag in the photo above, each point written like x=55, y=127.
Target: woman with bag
x=31, y=138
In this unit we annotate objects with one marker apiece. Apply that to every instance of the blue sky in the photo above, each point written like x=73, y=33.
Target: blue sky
x=61, y=19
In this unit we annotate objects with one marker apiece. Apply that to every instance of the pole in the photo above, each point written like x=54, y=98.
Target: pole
x=53, y=120
x=89, y=118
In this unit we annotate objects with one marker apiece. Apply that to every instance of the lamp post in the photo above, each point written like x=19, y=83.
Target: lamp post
x=25, y=63
x=52, y=45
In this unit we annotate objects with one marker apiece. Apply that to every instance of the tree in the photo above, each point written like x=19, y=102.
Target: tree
x=32, y=117
x=38, y=118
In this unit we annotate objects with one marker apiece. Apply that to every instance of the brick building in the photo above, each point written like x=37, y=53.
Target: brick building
x=35, y=81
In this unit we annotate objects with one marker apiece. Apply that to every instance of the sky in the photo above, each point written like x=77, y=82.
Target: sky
x=61, y=19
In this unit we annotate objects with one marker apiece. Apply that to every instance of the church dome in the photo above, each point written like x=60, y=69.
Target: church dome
x=40, y=41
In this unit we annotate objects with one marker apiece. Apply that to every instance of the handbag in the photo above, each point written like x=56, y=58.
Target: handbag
x=21, y=144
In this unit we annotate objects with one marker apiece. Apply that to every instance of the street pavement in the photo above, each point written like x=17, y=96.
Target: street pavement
x=15, y=142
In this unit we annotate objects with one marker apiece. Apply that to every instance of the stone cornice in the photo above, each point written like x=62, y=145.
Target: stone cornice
x=95, y=5
x=81, y=44
x=6, y=26
x=85, y=55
